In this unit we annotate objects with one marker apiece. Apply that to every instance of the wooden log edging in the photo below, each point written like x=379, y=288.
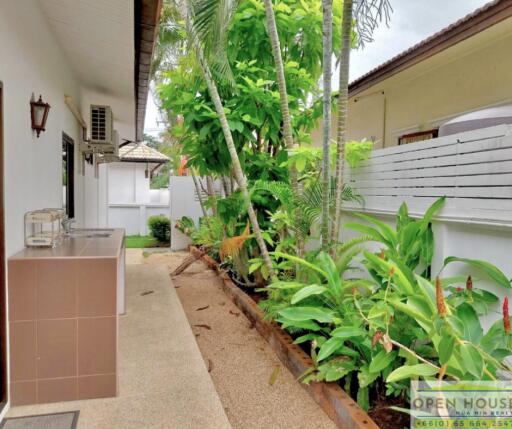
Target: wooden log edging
x=335, y=402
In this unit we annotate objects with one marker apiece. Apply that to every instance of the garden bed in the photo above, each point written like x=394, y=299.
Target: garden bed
x=336, y=403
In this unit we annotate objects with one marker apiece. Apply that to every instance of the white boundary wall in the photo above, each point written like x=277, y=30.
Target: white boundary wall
x=473, y=170
x=185, y=202
x=131, y=202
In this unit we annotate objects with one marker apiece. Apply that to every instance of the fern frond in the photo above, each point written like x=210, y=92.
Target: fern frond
x=282, y=191
x=353, y=242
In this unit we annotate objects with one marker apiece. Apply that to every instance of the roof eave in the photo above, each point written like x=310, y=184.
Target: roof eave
x=468, y=26
x=147, y=16
x=141, y=160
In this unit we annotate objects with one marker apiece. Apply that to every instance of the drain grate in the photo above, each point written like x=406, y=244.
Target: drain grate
x=66, y=420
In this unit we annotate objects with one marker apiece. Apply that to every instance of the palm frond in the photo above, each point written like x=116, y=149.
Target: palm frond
x=231, y=246
x=171, y=40
x=282, y=191
x=368, y=14
x=353, y=242
x=211, y=20
x=310, y=202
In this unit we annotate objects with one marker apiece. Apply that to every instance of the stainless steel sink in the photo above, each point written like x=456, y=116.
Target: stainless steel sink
x=90, y=232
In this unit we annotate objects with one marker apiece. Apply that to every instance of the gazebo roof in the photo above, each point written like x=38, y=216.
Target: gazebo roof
x=141, y=152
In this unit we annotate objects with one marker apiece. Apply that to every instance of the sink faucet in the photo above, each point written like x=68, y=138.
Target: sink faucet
x=66, y=224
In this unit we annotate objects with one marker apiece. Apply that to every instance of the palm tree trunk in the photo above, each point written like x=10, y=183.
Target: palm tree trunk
x=211, y=193
x=237, y=168
x=199, y=194
x=285, y=110
x=226, y=184
x=281, y=81
x=326, y=125
x=346, y=36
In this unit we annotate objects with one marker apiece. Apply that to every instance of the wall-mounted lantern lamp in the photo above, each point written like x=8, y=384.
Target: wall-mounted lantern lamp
x=39, y=114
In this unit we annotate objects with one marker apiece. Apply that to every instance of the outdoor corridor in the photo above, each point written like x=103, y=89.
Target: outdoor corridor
x=163, y=381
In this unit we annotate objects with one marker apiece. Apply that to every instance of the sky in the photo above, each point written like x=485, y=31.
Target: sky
x=411, y=22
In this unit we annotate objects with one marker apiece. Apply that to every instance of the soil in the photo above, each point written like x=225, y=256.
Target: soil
x=387, y=418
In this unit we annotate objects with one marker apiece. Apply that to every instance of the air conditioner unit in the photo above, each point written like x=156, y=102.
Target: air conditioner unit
x=102, y=131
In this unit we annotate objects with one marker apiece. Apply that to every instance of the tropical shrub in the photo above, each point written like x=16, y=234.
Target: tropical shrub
x=249, y=89
x=160, y=228
x=186, y=225
x=374, y=334
x=357, y=151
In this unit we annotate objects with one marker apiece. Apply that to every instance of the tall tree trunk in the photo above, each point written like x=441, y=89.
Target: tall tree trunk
x=285, y=110
x=346, y=36
x=226, y=184
x=199, y=194
x=211, y=193
x=237, y=167
x=281, y=80
x=326, y=125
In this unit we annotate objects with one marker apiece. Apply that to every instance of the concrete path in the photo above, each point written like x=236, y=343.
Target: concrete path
x=164, y=383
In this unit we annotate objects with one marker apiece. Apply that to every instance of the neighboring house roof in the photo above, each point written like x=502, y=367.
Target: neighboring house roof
x=147, y=17
x=474, y=23
x=141, y=152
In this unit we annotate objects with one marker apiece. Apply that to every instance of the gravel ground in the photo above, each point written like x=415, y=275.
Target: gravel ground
x=256, y=390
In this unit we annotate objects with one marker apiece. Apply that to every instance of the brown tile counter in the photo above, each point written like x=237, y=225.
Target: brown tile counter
x=63, y=311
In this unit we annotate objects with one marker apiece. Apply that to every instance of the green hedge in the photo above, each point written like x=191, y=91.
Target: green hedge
x=160, y=228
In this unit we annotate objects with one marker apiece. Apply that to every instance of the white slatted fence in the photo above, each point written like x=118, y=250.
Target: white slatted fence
x=473, y=170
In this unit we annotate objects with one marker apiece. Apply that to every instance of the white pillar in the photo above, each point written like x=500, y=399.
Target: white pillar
x=142, y=220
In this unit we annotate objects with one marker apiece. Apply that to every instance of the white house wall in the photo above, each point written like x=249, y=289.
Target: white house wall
x=125, y=129
x=32, y=64
x=91, y=197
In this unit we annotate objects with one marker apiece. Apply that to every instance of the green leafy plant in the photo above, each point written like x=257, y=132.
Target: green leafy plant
x=358, y=151
x=160, y=228
x=374, y=333
x=186, y=225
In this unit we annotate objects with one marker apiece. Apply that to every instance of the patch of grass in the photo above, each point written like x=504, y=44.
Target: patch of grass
x=142, y=241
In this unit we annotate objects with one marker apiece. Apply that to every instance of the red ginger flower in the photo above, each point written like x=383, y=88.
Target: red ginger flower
x=441, y=306
x=469, y=283
x=506, y=317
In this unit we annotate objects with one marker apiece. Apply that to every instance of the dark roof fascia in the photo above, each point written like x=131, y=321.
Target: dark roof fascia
x=472, y=24
x=147, y=17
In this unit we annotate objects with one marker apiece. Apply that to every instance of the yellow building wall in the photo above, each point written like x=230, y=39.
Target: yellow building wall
x=471, y=75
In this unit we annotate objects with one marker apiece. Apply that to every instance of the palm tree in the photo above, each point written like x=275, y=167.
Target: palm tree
x=285, y=110
x=326, y=125
x=211, y=193
x=281, y=81
x=367, y=15
x=194, y=33
x=346, y=39
x=199, y=194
